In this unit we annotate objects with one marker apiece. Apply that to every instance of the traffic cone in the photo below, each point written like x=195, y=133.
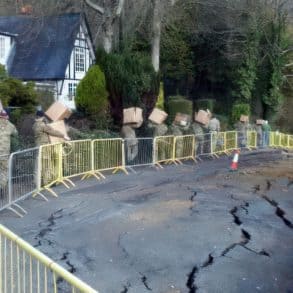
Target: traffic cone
x=234, y=165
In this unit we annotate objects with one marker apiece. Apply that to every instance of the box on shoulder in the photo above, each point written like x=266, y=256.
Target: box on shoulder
x=244, y=118
x=60, y=126
x=133, y=116
x=158, y=116
x=58, y=111
x=182, y=119
x=202, y=117
x=259, y=122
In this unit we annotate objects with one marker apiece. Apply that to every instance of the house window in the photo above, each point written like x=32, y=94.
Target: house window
x=79, y=59
x=71, y=91
x=2, y=47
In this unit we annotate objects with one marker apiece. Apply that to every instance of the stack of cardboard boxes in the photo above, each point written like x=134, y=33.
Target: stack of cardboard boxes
x=57, y=112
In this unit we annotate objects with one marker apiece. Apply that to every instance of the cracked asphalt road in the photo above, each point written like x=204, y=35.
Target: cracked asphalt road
x=188, y=228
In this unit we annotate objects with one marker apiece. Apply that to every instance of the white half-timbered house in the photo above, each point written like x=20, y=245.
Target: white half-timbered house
x=53, y=51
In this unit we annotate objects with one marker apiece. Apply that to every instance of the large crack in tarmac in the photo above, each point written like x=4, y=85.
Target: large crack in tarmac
x=189, y=228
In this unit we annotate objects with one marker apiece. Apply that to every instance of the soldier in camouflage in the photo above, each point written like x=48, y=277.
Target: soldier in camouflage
x=198, y=130
x=241, y=128
x=6, y=129
x=131, y=142
x=42, y=130
x=214, y=128
x=158, y=129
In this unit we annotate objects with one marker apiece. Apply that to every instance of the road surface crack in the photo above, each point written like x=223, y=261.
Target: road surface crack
x=144, y=281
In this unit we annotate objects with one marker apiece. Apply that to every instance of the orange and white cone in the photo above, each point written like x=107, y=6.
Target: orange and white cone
x=234, y=164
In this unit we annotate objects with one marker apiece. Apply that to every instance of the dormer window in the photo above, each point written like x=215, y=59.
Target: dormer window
x=2, y=47
x=79, y=59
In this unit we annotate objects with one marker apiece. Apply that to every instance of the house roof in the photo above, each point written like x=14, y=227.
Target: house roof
x=43, y=44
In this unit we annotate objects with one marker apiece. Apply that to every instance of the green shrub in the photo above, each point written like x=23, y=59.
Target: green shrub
x=204, y=104
x=92, y=96
x=16, y=94
x=239, y=109
x=160, y=100
x=178, y=104
x=45, y=98
x=131, y=81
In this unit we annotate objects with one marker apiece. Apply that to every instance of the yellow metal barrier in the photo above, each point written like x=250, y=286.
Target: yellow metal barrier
x=50, y=169
x=231, y=141
x=77, y=158
x=24, y=269
x=184, y=148
x=251, y=139
x=164, y=149
x=107, y=154
x=290, y=141
x=218, y=143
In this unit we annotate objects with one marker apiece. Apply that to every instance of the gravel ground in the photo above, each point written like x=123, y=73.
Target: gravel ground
x=186, y=228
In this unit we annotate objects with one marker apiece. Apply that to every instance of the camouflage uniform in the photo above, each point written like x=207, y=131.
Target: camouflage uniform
x=6, y=129
x=42, y=132
x=241, y=128
x=258, y=129
x=49, y=158
x=214, y=128
x=157, y=129
x=199, y=137
x=131, y=142
x=178, y=130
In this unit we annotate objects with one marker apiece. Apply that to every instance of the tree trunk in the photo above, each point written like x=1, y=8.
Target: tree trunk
x=156, y=36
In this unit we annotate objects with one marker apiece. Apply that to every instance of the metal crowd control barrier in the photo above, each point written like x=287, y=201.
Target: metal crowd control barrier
x=164, y=148
x=23, y=176
x=231, y=141
x=76, y=158
x=184, y=148
x=50, y=168
x=218, y=143
x=4, y=191
x=290, y=141
x=24, y=269
x=138, y=152
x=251, y=139
x=203, y=146
x=107, y=154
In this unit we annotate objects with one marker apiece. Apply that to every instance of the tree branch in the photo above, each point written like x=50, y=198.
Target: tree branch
x=120, y=7
x=96, y=7
x=289, y=64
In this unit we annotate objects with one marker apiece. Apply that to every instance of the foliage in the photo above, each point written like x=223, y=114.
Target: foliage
x=131, y=81
x=3, y=73
x=92, y=96
x=205, y=104
x=178, y=104
x=14, y=93
x=247, y=74
x=177, y=61
x=160, y=100
x=239, y=109
x=45, y=98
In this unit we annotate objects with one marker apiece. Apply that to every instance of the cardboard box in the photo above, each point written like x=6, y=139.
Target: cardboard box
x=158, y=116
x=58, y=111
x=202, y=117
x=60, y=126
x=182, y=119
x=133, y=116
x=244, y=118
x=259, y=122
